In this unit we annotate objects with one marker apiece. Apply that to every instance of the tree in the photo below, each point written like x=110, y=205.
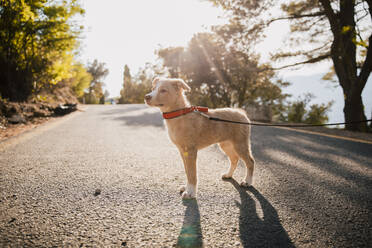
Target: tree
x=296, y=112
x=106, y=94
x=336, y=29
x=95, y=91
x=127, y=92
x=135, y=88
x=299, y=111
x=318, y=113
x=220, y=75
x=37, y=40
x=80, y=79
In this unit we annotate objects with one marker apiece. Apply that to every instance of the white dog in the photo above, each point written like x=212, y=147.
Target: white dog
x=190, y=131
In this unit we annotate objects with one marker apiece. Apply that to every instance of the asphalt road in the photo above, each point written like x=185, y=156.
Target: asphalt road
x=109, y=177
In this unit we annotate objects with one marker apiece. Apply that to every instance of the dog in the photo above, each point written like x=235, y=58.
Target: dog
x=191, y=131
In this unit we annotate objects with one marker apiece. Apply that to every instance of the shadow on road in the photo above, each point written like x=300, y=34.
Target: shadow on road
x=320, y=159
x=134, y=115
x=191, y=233
x=255, y=231
x=123, y=109
x=330, y=179
x=145, y=119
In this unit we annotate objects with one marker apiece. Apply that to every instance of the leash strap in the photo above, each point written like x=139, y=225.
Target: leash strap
x=281, y=125
x=203, y=110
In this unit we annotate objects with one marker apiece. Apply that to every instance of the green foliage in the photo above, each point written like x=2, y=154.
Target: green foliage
x=135, y=88
x=37, y=41
x=318, y=113
x=102, y=99
x=220, y=75
x=80, y=79
x=296, y=111
x=128, y=91
x=95, y=93
x=320, y=30
x=299, y=111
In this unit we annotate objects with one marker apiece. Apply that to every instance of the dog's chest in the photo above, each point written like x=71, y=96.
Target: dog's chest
x=174, y=134
x=179, y=134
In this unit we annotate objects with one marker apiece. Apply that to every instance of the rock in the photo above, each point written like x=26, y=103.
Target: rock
x=10, y=109
x=65, y=109
x=97, y=192
x=12, y=220
x=17, y=118
x=3, y=122
x=41, y=113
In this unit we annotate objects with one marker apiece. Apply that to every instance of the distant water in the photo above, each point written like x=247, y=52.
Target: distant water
x=325, y=91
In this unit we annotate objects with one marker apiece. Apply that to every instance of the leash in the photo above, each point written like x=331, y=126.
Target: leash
x=203, y=110
x=280, y=125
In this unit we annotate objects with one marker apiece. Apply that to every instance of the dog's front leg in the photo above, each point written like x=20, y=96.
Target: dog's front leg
x=189, y=162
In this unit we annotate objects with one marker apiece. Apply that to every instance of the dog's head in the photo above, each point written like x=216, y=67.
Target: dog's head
x=166, y=92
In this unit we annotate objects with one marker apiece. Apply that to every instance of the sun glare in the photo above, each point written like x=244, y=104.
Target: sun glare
x=128, y=32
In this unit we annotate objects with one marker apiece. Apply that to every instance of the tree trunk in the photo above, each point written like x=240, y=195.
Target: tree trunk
x=353, y=108
x=354, y=111
x=343, y=54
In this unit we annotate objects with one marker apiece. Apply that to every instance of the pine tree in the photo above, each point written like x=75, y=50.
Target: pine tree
x=127, y=93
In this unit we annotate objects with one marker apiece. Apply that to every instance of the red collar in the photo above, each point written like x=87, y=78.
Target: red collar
x=177, y=113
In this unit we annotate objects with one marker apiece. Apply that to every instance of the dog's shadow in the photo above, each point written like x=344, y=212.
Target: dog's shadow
x=253, y=230
x=191, y=234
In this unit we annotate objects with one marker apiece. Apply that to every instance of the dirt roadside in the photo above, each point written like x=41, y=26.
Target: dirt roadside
x=15, y=129
x=9, y=130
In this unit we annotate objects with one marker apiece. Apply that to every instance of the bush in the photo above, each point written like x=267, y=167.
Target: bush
x=299, y=112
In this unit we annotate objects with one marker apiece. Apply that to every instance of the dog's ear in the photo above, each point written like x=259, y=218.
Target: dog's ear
x=181, y=84
x=155, y=81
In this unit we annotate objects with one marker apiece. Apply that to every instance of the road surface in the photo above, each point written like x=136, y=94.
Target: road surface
x=109, y=177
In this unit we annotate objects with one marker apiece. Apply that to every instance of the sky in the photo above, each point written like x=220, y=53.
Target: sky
x=119, y=32
x=123, y=32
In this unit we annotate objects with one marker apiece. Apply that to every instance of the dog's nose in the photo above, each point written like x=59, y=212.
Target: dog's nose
x=148, y=97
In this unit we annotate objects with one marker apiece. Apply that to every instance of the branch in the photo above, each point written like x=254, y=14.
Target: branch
x=295, y=17
x=310, y=61
x=332, y=17
x=366, y=68
x=361, y=18
x=308, y=53
x=370, y=7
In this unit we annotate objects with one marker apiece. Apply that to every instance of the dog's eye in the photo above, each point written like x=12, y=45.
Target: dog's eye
x=163, y=91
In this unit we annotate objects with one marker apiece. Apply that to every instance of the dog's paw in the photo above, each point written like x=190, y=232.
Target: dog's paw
x=226, y=176
x=187, y=196
x=245, y=184
x=182, y=189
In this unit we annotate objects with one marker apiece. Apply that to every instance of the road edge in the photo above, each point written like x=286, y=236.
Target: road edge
x=28, y=134
x=328, y=135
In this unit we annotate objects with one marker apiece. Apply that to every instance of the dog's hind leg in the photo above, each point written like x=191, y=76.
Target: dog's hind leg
x=245, y=153
x=228, y=148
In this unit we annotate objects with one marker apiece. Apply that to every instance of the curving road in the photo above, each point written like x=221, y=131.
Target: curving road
x=108, y=177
